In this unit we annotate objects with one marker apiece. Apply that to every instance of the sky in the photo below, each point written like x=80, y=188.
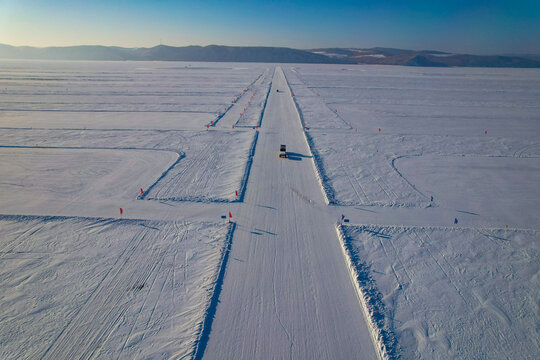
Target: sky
x=473, y=26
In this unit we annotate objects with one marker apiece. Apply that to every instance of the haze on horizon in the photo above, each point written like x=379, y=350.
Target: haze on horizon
x=475, y=27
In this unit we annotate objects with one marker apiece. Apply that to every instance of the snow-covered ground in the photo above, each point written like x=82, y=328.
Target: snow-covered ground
x=436, y=112
x=429, y=147
x=78, y=141
x=453, y=292
x=416, y=100
x=94, y=106
x=402, y=152
x=128, y=95
x=105, y=288
x=72, y=174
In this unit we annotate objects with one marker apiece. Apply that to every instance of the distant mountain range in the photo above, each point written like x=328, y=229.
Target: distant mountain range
x=388, y=56
x=168, y=53
x=381, y=56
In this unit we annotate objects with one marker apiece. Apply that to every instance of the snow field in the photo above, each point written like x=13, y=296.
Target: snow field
x=109, y=120
x=80, y=137
x=90, y=94
x=315, y=112
x=359, y=169
x=365, y=169
x=466, y=137
x=105, y=288
x=213, y=169
x=500, y=190
x=212, y=164
x=70, y=129
x=173, y=165
x=451, y=292
x=247, y=108
x=77, y=174
x=436, y=101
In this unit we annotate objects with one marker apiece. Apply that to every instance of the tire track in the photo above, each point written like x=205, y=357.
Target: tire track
x=77, y=340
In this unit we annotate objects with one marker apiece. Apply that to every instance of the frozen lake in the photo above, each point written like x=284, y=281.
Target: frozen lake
x=435, y=169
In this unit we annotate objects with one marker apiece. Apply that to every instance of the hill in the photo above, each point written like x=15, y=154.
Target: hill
x=218, y=53
x=168, y=53
x=389, y=56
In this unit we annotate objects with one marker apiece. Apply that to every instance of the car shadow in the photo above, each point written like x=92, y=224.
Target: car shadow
x=296, y=156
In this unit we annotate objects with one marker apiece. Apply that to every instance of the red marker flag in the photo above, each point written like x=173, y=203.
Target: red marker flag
x=236, y=192
x=230, y=215
x=121, y=211
x=142, y=191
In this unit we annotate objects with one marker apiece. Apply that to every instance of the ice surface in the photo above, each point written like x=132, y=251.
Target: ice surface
x=97, y=111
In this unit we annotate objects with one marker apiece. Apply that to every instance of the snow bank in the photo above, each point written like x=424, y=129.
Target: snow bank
x=370, y=298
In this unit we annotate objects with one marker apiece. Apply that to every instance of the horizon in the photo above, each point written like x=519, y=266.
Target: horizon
x=473, y=27
x=266, y=46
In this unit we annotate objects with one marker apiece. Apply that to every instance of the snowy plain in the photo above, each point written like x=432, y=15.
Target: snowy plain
x=78, y=140
x=438, y=171
x=107, y=288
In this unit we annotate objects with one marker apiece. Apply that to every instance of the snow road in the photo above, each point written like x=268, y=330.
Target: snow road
x=286, y=292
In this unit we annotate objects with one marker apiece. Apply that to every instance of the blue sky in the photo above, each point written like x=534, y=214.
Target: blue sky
x=480, y=27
